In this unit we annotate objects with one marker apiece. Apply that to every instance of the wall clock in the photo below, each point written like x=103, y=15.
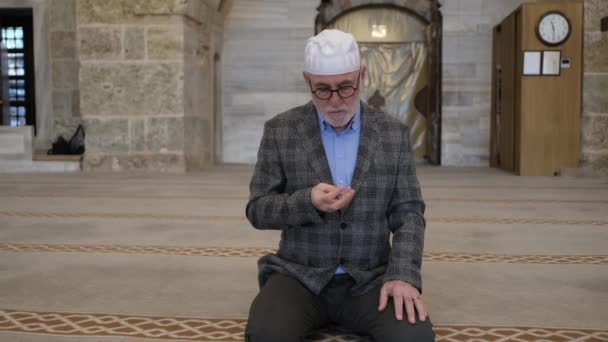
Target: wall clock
x=553, y=28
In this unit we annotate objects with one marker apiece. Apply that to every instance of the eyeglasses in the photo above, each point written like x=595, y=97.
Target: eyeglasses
x=324, y=93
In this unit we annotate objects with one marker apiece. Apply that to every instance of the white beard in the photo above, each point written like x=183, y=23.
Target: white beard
x=339, y=119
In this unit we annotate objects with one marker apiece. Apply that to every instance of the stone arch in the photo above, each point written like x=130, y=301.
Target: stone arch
x=330, y=11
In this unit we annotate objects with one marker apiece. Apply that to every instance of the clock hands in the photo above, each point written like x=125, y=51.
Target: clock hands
x=553, y=29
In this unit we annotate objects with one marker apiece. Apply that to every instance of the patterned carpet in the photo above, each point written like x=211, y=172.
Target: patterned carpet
x=231, y=330
x=171, y=257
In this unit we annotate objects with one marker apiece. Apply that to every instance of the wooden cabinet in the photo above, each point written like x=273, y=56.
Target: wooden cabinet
x=535, y=118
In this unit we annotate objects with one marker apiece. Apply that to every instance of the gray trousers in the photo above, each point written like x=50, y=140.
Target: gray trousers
x=285, y=311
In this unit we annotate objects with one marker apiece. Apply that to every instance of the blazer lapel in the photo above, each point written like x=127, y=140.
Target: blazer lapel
x=368, y=142
x=309, y=130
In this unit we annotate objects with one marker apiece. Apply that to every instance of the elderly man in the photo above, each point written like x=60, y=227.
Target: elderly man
x=337, y=177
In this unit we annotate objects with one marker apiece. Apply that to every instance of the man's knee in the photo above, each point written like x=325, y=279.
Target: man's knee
x=284, y=311
x=404, y=331
x=269, y=325
x=267, y=331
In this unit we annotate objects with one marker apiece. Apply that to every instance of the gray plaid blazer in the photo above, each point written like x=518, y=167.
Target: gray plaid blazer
x=291, y=160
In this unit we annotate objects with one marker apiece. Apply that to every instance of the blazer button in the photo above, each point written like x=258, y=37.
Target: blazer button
x=343, y=225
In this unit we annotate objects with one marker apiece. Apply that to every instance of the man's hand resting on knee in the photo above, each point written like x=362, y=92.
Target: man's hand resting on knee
x=403, y=294
x=329, y=198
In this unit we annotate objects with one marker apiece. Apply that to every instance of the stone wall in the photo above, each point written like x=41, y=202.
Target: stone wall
x=594, y=123
x=64, y=65
x=145, y=74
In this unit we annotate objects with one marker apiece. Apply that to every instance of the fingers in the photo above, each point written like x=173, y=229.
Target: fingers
x=398, y=302
x=344, y=200
x=383, y=298
x=409, y=308
x=411, y=300
x=324, y=187
x=404, y=295
x=331, y=195
x=323, y=195
x=331, y=198
x=420, y=308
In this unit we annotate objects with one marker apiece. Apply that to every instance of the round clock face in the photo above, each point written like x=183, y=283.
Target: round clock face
x=553, y=28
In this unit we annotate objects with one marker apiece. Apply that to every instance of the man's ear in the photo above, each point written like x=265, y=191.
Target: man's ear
x=363, y=71
x=305, y=75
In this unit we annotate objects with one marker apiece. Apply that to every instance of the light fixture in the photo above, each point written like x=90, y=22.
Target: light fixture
x=378, y=31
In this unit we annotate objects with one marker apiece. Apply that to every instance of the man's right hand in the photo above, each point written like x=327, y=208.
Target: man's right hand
x=328, y=198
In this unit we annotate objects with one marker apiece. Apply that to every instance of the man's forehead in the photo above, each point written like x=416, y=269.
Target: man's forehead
x=333, y=79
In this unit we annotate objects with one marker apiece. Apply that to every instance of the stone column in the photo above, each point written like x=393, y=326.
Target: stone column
x=594, y=144
x=145, y=84
x=64, y=66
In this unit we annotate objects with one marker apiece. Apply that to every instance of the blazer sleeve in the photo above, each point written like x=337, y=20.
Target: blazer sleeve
x=269, y=207
x=406, y=220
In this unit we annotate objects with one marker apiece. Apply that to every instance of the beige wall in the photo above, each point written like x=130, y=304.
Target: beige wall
x=263, y=46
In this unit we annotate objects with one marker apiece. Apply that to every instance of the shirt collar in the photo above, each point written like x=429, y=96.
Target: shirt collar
x=353, y=125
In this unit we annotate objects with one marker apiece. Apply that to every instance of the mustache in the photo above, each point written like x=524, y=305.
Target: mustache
x=336, y=109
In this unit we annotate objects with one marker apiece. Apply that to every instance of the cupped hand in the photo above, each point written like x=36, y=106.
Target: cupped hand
x=329, y=198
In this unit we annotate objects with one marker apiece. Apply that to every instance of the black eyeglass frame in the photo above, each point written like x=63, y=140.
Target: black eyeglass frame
x=337, y=91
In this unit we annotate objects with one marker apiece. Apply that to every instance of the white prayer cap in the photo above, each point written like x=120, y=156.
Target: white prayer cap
x=331, y=52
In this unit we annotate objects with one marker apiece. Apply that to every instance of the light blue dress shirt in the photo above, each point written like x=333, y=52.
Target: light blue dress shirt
x=341, y=151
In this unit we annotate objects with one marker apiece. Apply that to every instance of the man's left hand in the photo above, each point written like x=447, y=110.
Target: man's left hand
x=406, y=295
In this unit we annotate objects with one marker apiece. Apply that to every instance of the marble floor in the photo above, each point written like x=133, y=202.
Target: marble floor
x=144, y=257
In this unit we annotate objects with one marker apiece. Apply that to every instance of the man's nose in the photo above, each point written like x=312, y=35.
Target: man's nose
x=335, y=99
